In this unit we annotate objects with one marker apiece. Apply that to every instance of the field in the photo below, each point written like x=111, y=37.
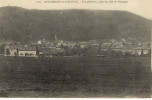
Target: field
x=75, y=77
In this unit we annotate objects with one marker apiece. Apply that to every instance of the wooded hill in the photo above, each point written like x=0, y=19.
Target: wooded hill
x=73, y=25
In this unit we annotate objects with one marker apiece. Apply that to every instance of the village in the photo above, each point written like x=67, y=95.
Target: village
x=103, y=47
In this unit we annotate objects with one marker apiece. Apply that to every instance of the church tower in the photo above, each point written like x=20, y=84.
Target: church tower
x=55, y=37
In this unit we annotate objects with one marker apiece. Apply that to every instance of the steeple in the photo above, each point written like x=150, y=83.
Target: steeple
x=55, y=38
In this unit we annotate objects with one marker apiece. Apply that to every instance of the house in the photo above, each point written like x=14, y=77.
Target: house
x=112, y=40
x=107, y=44
x=10, y=50
x=27, y=51
x=48, y=52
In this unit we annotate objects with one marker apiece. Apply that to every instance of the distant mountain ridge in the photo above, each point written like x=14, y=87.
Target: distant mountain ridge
x=24, y=25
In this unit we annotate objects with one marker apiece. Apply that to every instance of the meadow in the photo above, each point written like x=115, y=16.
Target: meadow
x=75, y=77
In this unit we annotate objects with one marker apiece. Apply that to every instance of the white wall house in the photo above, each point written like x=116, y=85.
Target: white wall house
x=27, y=52
x=10, y=50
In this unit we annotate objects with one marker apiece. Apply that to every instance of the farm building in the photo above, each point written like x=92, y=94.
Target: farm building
x=27, y=51
x=49, y=51
x=10, y=50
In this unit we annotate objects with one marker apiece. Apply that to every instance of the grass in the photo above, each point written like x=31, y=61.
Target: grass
x=75, y=77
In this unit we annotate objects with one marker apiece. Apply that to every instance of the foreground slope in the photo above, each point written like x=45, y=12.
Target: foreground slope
x=75, y=77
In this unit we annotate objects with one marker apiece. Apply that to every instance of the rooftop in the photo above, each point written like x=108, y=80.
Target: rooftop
x=48, y=50
x=29, y=48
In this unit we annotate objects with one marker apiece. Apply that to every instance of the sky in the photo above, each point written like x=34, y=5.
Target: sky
x=139, y=7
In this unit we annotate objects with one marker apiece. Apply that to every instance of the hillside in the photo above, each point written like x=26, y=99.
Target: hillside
x=74, y=25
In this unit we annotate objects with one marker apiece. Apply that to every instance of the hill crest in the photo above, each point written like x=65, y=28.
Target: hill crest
x=24, y=25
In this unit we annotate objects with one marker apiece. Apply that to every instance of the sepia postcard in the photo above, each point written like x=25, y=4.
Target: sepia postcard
x=75, y=48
